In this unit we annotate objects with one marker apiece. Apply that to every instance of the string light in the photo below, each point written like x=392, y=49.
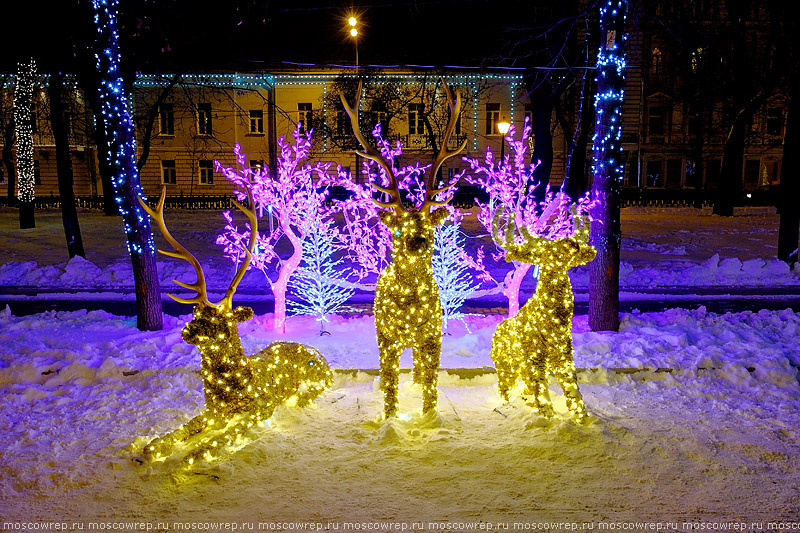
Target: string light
x=538, y=340
x=23, y=129
x=611, y=64
x=408, y=311
x=239, y=391
x=119, y=128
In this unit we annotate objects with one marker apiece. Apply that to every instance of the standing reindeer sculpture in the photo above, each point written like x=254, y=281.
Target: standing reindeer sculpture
x=240, y=391
x=538, y=340
x=408, y=313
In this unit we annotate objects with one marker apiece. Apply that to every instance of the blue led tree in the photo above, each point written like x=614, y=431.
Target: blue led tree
x=118, y=125
x=607, y=168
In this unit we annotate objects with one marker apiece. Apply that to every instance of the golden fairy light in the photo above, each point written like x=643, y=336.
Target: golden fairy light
x=240, y=391
x=537, y=341
x=408, y=313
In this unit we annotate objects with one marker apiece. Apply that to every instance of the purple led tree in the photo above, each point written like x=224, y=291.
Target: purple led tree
x=288, y=197
x=510, y=187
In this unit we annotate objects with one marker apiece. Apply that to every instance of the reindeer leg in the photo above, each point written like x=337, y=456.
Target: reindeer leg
x=208, y=449
x=534, y=374
x=504, y=361
x=568, y=379
x=164, y=444
x=390, y=368
x=427, y=355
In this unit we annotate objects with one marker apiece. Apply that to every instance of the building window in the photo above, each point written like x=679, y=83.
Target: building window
x=167, y=114
x=529, y=114
x=656, y=120
x=775, y=121
x=415, y=123
x=381, y=117
x=457, y=130
x=656, y=62
x=168, y=174
x=772, y=172
x=256, y=166
x=34, y=120
x=654, y=172
x=37, y=173
x=304, y=117
x=256, y=121
x=204, y=119
x=68, y=123
x=673, y=178
x=206, y=172
x=341, y=122
x=492, y=118
x=752, y=167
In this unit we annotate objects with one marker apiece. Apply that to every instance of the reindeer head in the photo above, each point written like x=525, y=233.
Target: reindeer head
x=550, y=254
x=412, y=230
x=213, y=326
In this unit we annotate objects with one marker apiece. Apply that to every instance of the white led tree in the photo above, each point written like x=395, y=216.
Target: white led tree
x=320, y=283
x=23, y=121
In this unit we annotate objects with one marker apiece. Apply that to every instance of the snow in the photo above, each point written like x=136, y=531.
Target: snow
x=695, y=417
x=695, y=414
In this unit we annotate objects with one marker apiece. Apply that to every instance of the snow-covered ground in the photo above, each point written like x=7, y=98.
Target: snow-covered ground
x=706, y=430
x=695, y=415
x=657, y=251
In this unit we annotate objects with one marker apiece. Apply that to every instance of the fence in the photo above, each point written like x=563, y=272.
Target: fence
x=464, y=198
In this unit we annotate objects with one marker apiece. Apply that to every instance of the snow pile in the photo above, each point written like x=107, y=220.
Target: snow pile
x=713, y=439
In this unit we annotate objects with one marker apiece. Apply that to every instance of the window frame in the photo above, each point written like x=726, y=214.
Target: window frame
x=173, y=174
x=205, y=175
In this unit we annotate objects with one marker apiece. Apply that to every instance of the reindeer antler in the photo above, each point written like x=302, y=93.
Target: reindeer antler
x=227, y=301
x=371, y=153
x=180, y=253
x=444, y=153
x=507, y=242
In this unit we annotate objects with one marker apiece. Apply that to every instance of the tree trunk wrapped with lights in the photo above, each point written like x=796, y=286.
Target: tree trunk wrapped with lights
x=23, y=123
x=118, y=125
x=408, y=311
x=240, y=391
x=607, y=169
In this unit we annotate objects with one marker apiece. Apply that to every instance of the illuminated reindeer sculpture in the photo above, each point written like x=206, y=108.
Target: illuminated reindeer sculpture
x=408, y=313
x=240, y=391
x=538, y=340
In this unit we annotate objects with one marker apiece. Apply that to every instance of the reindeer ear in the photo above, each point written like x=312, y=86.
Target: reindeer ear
x=439, y=216
x=242, y=314
x=387, y=217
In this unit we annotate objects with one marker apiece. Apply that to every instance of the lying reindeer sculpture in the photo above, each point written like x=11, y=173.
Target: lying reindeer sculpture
x=408, y=313
x=240, y=391
x=538, y=340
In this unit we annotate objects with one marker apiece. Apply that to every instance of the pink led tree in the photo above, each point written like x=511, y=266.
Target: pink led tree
x=509, y=184
x=289, y=197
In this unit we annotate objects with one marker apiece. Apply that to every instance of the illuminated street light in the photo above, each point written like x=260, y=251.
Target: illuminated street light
x=352, y=21
x=503, y=127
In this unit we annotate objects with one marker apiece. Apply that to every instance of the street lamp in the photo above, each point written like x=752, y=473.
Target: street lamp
x=503, y=126
x=352, y=21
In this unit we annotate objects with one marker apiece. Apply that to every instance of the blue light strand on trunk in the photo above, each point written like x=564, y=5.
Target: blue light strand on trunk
x=118, y=124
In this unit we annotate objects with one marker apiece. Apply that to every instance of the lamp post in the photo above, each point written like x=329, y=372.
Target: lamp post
x=503, y=126
x=352, y=21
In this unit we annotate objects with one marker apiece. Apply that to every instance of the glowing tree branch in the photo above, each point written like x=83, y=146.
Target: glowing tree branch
x=118, y=125
x=23, y=124
x=287, y=197
x=508, y=184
